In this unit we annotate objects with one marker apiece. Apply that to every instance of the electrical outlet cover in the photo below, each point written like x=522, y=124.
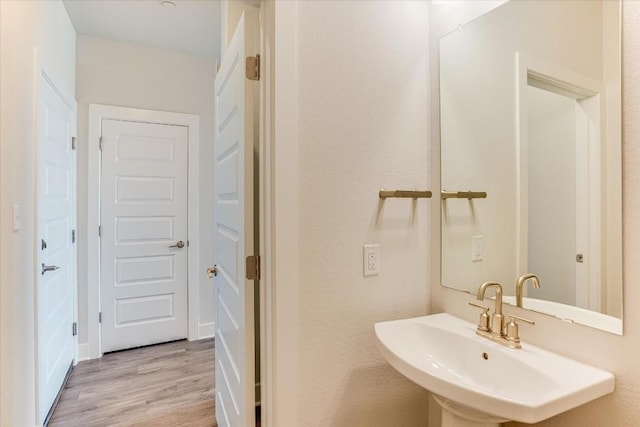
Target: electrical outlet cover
x=371, y=260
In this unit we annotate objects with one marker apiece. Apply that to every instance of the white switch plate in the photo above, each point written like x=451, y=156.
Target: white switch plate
x=371, y=260
x=477, y=248
x=17, y=216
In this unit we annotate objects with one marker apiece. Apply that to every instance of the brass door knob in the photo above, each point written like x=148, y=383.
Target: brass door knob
x=212, y=271
x=178, y=245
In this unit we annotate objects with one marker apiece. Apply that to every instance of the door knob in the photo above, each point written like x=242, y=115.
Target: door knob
x=46, y=268
x=212, y=271
x=178, y=245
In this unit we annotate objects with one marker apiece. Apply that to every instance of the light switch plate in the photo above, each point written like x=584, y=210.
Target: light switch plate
x=17, y=217
x=477, y=248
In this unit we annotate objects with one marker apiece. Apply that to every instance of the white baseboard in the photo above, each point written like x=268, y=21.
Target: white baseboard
x=83, y=351
x=206, y=330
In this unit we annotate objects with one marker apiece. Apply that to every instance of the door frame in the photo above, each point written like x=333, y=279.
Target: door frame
x=586, y=92
x=98, y=112
x=42, y=77
x=278, y=211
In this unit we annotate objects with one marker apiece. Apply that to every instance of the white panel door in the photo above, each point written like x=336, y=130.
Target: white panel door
x=56, y=254
x=143, y=244
x=235, y=349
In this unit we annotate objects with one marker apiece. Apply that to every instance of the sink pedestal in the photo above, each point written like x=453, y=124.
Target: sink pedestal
x=456, y=415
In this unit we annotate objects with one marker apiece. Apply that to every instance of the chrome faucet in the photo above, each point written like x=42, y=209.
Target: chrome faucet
x=493, y=326
x=521, y=281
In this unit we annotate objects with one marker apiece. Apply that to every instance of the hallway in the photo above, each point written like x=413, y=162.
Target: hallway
x=168, y=384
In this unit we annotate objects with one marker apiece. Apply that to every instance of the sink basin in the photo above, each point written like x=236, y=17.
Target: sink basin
x=480, y=380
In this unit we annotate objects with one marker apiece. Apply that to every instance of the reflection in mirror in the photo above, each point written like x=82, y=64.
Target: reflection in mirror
x=530, y=114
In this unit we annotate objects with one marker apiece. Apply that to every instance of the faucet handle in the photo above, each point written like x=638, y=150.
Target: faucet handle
x=511, y=333
x=479, y=306
x=531, y=322
x=483, y=321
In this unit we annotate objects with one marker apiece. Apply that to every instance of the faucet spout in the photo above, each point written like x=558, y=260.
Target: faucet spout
x=493, y=326
x=497, y=319
x=520, y=285
x=483, y=288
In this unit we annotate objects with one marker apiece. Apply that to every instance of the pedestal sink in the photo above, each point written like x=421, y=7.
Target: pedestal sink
x=478, y=382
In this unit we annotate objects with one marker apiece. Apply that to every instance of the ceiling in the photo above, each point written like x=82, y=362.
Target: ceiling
x=193, y=26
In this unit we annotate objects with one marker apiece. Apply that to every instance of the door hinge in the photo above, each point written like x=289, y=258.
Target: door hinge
x=73, y=142
x=100, y=143
x=252, y=267
x=100, y=317
x=99, y=231
x=74, y=329
x=252, y=67
x=73, y=236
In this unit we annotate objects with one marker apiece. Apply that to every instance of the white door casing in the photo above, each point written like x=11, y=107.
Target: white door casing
x=143, y=233
x=589, y=168
x=55, y=244
x=92, y=348
x=233, y=230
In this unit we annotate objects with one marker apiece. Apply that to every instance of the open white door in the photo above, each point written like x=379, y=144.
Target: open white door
x=55, y=246
x=233, y=228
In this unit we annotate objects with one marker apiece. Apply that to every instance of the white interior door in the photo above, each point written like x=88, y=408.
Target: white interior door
x=56, y=253
x=143, y=245
x=234, y=142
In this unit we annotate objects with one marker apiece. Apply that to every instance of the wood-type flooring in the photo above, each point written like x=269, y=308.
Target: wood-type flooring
x=165, y=385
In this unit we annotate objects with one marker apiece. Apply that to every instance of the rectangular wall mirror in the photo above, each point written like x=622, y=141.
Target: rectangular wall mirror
x=530, y=114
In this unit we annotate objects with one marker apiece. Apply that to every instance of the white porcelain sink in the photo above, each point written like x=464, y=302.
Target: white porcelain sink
x=480, y=380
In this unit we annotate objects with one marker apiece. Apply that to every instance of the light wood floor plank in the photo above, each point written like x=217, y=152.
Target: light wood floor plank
x=168, y=385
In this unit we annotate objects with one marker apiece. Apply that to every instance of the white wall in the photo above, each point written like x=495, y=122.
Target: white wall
x=129, y=75
x=356, y=115
x=618, y=354
x=23, y=26
x=613, y=190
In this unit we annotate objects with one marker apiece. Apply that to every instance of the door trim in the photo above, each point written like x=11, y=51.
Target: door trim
x=97, y=113
x=586, y=92
x=278, y=213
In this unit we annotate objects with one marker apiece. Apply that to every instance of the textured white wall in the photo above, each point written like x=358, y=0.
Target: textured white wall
x=361, y=101
x=24, y=25
x=618, y=354
x=129, y=75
